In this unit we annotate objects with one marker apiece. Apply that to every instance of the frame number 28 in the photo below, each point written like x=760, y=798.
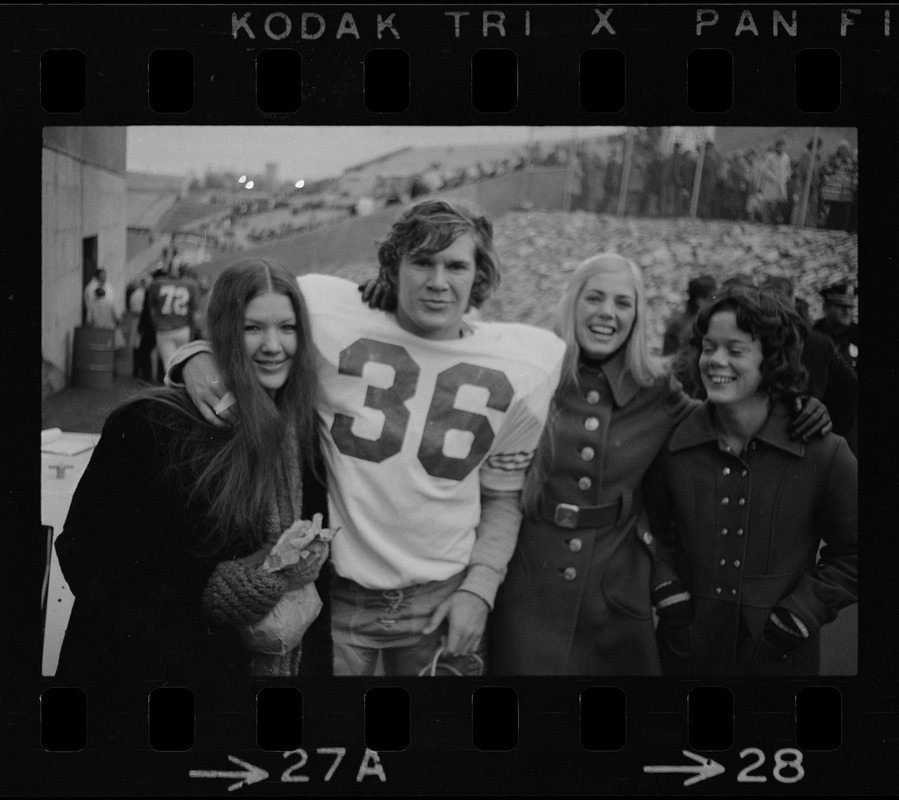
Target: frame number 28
x=787, y=766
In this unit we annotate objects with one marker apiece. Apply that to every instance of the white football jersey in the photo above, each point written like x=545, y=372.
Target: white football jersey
x=413, y=427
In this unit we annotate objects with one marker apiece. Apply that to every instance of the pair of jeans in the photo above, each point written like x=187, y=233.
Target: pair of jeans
x=368, y=624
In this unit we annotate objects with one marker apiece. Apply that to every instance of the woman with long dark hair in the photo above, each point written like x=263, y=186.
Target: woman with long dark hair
x=748, y=507
x=173, y=517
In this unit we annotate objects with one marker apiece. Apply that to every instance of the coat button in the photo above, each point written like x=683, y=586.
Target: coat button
x=733, y=592
x=647, y=537
x=593, y=397
x=587, y=454
x=724, y=531
x=739, y=531
x=717, y=590
x=584, y=483
x=591, y=423
x=741, y=501
x=725, y=471
x=575, y=545
x=744, y=473
x=725, y=501
x=570, y=573
x=722, y=562
x=737, y=563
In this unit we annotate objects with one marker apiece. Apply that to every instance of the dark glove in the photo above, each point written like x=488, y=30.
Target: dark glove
x=674, y=605
x=783, y=632
x=810, y=418
x=239, y=593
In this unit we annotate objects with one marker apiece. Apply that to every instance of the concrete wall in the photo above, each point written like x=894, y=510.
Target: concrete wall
x=101, y=147
x=83, y=194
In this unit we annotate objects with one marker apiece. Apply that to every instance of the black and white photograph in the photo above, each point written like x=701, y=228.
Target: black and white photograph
x=448, y=400
x=647, y=468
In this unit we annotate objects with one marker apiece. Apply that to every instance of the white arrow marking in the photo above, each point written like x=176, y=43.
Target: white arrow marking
x=705, y=768
x=251, y=774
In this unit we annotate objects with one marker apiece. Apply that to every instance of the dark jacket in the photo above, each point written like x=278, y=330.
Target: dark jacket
x=833, y=382
x=576, y=601
x=746, y=534
x=130, y=552
x=846, y=341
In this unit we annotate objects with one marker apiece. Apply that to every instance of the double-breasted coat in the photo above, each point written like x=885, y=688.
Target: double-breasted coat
x=576, y=599
x=747, y=531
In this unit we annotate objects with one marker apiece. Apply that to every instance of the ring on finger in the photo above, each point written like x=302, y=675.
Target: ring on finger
x=225, y=403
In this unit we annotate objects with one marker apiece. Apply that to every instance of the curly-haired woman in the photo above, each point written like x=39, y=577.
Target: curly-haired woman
x=747, y=506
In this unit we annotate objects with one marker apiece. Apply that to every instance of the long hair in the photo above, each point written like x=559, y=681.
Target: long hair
x=430, y=227
x=238, y=471
x=644, y=368
x=768, y=316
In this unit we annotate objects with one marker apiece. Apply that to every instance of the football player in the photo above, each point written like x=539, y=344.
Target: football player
x=428, y=422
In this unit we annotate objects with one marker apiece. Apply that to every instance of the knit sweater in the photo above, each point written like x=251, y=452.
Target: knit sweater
x=239, y=593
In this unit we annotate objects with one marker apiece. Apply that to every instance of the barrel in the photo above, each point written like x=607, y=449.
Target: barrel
x=93, y=357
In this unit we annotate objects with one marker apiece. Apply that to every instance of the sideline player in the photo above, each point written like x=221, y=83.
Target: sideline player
x=172, y=300
x=428, y=423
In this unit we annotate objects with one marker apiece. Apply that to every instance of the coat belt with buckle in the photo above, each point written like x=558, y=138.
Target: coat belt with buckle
x=566, y=515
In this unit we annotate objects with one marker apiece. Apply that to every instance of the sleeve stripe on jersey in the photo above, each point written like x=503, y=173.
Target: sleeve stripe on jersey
x=510, y=462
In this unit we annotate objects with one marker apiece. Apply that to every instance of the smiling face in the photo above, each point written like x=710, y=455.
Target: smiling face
x=433, y=291
x=270, y=338
x=730, y=362
x=604, y=314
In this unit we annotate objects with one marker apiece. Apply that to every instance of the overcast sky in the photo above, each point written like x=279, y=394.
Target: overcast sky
x=307, y=152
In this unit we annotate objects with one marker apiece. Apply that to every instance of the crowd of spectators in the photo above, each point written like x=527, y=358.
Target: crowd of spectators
x=394, y=190
x=767, y=187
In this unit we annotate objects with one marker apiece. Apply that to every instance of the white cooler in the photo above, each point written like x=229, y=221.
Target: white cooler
x=64, y=457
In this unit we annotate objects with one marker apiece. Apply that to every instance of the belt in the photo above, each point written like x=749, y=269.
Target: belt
x=566, y=515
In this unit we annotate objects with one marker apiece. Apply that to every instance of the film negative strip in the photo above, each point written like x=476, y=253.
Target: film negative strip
x=77, y=79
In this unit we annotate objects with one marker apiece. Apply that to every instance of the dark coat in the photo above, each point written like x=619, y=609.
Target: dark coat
x=746, y=536
x=846, y=341
x=576, y=601
x=130, y=553
x=833, y=382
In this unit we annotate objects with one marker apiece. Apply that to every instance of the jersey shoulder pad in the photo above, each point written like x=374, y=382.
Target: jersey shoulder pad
x=537, y=346
x=316, y=284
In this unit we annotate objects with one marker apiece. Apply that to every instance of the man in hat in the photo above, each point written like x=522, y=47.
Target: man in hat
x=678, y=329
x=840, y=301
